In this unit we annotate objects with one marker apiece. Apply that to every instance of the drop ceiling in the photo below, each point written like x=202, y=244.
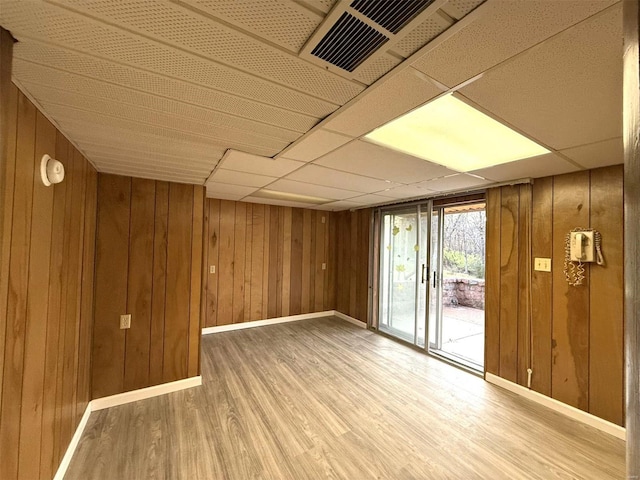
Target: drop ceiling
x=225, y=92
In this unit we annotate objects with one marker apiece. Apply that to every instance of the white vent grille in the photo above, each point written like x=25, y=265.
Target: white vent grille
x=391, y=14
x=356, y=33
x=348, y=43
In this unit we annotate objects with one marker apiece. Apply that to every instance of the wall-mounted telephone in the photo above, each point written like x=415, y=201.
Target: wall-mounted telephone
x=582, y=245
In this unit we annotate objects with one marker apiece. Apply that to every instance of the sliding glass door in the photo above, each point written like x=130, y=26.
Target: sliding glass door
x=431, y=283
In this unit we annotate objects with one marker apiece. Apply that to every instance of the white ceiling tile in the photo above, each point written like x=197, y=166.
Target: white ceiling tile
x=315, y=145
x=320, y=191
x=334, y=178
x=338, y=206
x=370, y=199
x=504, y=29
x=397, y=95
x=565, y=92
x=282, y=22
x=454, y=182
x=282, y=203
x=535, y=167
x=406, y=191
x=368, y=159
x=246, y=162
x=600, y=154
x=185, y=32
x=241, y=178
x=240, y=191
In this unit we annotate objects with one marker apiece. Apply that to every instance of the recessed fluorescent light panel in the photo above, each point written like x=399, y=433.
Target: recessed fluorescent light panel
x=290, y=197
x=451, y=133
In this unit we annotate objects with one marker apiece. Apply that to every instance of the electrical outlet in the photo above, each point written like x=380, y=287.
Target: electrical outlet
x=542, y=264
x=324, y=266
x=323, y=219
x=212, y=269
x=125, y=321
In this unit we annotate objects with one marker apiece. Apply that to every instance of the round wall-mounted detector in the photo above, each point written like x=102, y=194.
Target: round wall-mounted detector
x=51, y=170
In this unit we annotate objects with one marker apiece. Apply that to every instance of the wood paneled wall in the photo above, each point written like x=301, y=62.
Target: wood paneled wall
x=148, y=264
x=46, y=295
x=351, y=262
x=268, y=262
x=573, y=337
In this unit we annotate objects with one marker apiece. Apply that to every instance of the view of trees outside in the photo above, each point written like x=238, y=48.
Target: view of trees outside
x=464, y=247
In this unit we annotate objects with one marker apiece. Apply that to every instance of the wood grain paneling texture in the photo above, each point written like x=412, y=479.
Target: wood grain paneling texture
x=571, y=337
x=267, y=260
x=350, y=262
x=149, y=265
x=46, y=294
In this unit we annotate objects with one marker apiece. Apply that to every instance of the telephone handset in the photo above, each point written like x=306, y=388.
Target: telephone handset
x=582, y=245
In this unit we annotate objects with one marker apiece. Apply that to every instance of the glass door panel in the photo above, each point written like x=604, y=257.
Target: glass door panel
x=457, y=304
x=398, y=272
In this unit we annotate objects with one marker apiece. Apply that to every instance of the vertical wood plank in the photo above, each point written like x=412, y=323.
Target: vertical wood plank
x=295, y=303
x=272, y=270
x=509, y=283
x=492, y=281
x=49, y=454
x=86, y=308
x=318, y=299
x=37, y=307
x=333, y=264
x=176, y=347
x=524, y=274
x=225, y=261
x=213, y=242
x=541, y=286
x=606, y=291
x=238, y=262
x=286, y=260
x=312, y=261
x=112, y=247
x=328, y=274
x=353, y=240
x=17, y=292
x=196, y=280
x=248, y=262
x=64, y=153
x=257, y=262
x=306, y=261
x=140, y=283
x=265, y=261
x=570, y=364
x=7, y=192
x=279, y=261
x=74, y=296
x=363, y=264
x=159, y=286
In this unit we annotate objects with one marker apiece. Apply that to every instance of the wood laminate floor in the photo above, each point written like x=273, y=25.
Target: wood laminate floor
x=324, y=399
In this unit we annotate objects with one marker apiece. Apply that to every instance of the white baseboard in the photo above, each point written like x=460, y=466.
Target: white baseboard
x=71, y=449
x=553, y=404
x=114, y=400
x=274, y=321
x=349, y=319
x=142, y=393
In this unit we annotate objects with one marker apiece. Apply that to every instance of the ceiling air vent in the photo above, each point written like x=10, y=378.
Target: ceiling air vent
x=348, y=43
x=391, y=14
x=356, y=32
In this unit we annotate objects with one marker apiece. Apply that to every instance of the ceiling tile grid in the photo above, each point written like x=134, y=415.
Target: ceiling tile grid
x=335, y=178
x=53, y=24
x=181, y=28
x=504, y=29
x=260, y=165
x=311, y=190
x=399, y=94
x=422, y=34
x=564, y=92
x=233, y=177
x=285, y=23
x=226, y=106
x=314, y=145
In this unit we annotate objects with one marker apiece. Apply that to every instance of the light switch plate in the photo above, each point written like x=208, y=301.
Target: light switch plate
x=542, y=264
x=125, y=321
x=324, y=266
